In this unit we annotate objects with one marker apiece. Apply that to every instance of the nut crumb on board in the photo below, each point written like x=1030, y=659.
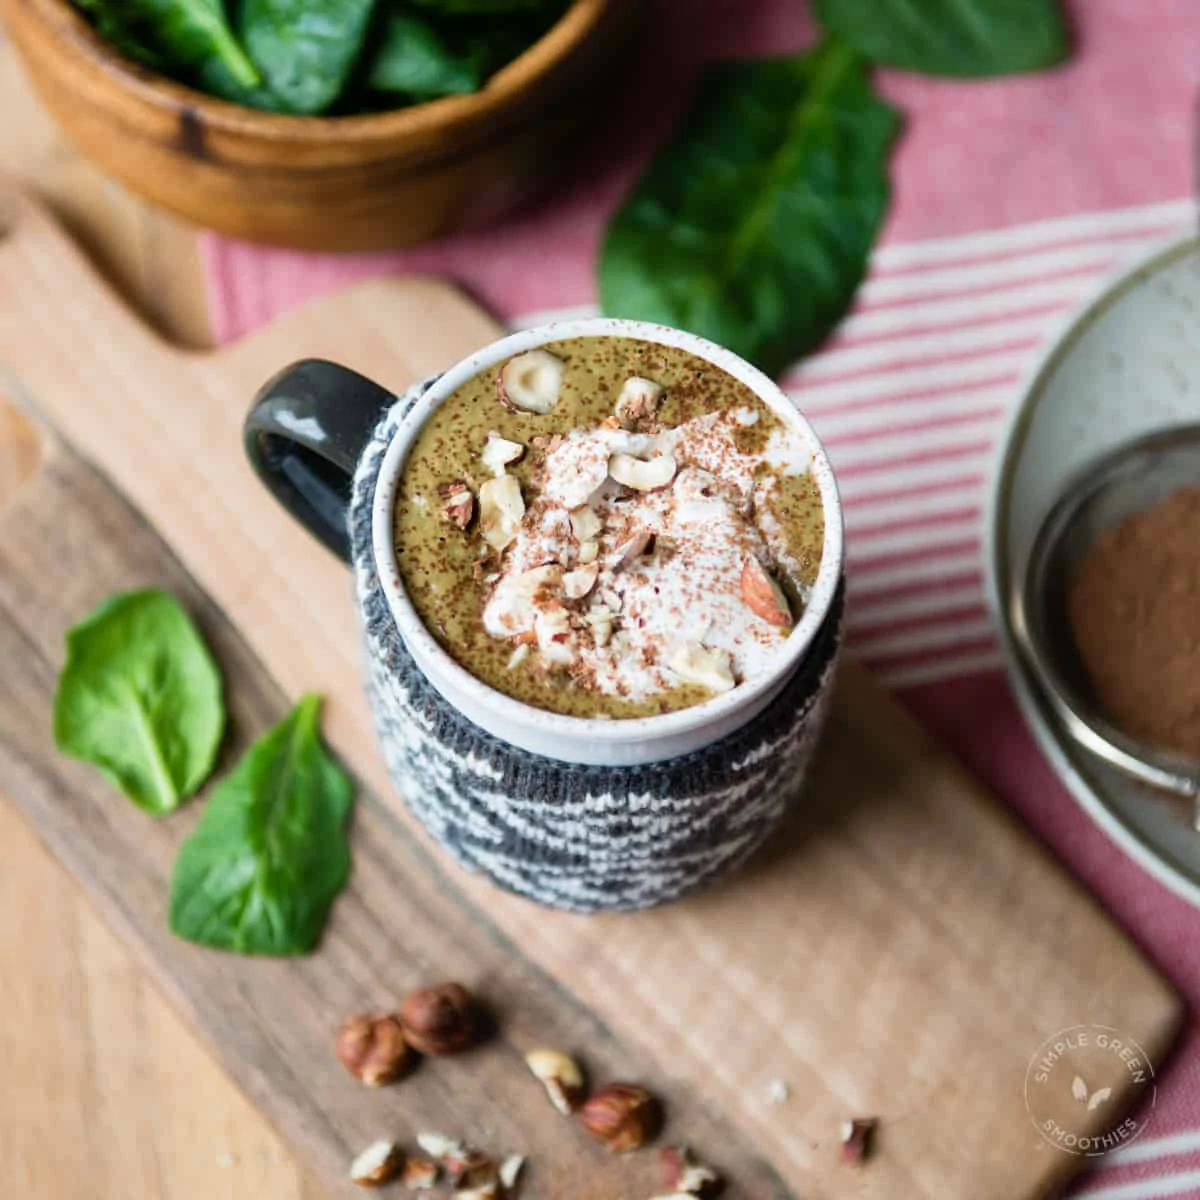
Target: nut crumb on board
x=857, y=1136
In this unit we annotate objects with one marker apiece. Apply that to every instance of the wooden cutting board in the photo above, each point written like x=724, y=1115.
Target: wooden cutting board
x=901, y=950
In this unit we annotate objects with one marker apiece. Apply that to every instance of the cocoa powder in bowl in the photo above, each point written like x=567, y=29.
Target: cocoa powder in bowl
x=1133, y=605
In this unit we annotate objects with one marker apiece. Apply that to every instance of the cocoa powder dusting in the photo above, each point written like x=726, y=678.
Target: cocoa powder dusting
x=1133, y=604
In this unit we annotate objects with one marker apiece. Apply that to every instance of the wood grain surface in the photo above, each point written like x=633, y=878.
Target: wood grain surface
x=114, y=1089
x=402, y=924
x=903, y=940
x=150, y=256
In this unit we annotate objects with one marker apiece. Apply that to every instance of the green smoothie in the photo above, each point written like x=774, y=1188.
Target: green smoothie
x=677, y=576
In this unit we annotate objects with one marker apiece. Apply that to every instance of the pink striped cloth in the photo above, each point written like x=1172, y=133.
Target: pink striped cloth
x=1013, y=199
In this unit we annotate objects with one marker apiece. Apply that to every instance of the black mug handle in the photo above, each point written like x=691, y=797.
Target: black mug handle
x=304, y=435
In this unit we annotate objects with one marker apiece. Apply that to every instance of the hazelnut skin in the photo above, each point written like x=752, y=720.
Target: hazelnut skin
x=622, y=1116
x=439, y=1020
x=684, y=1175
x=373, y=1049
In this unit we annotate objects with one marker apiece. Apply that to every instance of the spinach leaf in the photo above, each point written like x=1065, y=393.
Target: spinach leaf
x=127, y=35
x=952, y=37
x=140, y=696
x=478, y=7
x=305, y=51
x=422, y=61
x=192, y=36
x=413, y=58
x=754, y=225
x=269, y=855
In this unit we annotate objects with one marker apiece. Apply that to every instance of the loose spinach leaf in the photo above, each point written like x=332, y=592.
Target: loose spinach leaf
x=952, y=37
x=754, y=225
x=306, y=51
x=140, y=696
x=193, y=36
x=269, y=855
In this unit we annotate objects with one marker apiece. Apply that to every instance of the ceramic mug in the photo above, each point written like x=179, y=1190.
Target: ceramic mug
x=577, y=812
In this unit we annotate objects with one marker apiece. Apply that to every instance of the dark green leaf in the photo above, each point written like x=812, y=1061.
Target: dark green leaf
x=140, y=696
x=192, y=37
x=413, y=58
x=488, y=7
x=952, y=37
x=305, y=50
x=754, y=225
x=129, y=37
x=421, y=59
x=269, y=855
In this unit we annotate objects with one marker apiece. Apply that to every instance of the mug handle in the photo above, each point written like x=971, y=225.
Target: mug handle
x=304, y=435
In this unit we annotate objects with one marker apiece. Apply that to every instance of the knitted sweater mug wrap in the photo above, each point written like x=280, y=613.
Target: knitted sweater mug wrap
x=577, y=837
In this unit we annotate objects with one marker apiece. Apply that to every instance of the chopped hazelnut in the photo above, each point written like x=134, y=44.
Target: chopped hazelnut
x=499, y=452
x=684, y=1175
x=639, y=399
x=577, y=584
x=378, y=1164
x=585, y=523
x=458, y=505
x=560, y=1075
x=420, y=1174
x=510, y=1171
x=708, y=668
x=857, y=1136
x=501, y=510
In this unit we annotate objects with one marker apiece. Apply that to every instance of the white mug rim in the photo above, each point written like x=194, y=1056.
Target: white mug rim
x=428, y=652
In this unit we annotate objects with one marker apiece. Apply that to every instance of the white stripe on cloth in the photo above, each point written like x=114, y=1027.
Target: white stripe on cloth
x=1145, y=1149
x=956, y=666
x=909, y=397
x=1183, y=1183
x=922, y=604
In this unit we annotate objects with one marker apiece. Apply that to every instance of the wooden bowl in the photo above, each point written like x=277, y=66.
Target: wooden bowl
x=325, y=183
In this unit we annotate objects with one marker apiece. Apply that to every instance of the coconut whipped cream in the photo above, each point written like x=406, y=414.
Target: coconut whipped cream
x=643, y=559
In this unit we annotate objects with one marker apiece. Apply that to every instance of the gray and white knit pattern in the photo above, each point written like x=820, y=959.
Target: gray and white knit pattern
x=578, y=837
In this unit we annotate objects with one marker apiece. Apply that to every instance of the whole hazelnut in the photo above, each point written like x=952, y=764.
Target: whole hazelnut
x=622, y=1116
x=439, y=1020
x=372, y=1048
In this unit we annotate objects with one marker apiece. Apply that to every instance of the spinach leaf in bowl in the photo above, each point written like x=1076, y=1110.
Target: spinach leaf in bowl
x=490, y=7
x=970, y=38
x=325, y=57
x=269, y=855
x=305, y=51
x=754, y=225
x=413, y=58
x=125, y=33
x=191, y=38
x=422, y=60
x=140, y=697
